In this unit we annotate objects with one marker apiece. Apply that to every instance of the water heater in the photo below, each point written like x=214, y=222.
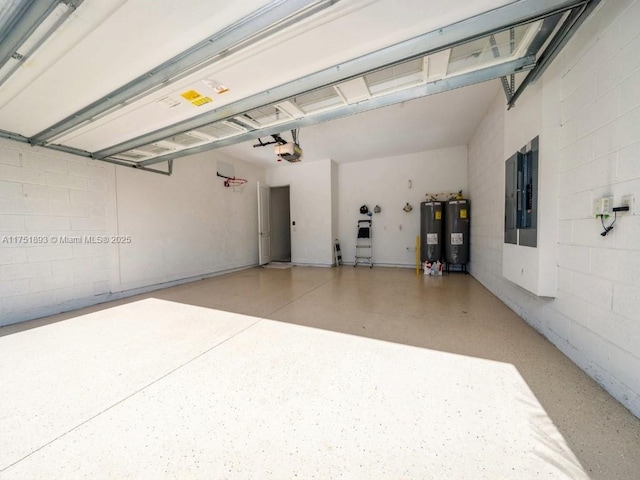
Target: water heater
x=456, y=234
x=431, y=230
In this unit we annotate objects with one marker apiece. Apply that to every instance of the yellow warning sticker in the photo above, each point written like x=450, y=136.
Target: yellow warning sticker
x=438, y=215
x=195, y=98
x=201, y=101
x=463, y=213
x=190, y=95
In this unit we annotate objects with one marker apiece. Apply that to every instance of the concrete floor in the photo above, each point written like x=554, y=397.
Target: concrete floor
x=221, y=378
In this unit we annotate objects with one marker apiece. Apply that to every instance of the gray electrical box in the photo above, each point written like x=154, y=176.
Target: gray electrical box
x=521, y=196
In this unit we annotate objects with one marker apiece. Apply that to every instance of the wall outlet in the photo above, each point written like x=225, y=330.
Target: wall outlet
x=630, y=201
x=597, y=206
x=602, y=206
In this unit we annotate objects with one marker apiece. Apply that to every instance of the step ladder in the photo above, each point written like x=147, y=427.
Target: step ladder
x=337, y=253
x=364, y=245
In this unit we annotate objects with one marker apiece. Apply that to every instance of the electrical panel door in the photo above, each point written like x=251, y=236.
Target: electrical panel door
x=521, y=196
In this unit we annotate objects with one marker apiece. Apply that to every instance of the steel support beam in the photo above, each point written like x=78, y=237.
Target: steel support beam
x=244, y=32
x=513, y=14
x=144, y=169
x=13, y=136
x=549, y=24
x=122, y=163
x=512, y=48
x=71, y=5
x=82, y=153
x=24, y=25
x=11, y=11
x=459, y=81
x=569, y=27
x=496, y=54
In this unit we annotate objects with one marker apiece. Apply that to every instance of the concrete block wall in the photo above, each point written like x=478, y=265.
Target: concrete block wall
x=486, y=182
x=48, y=200
x=595, y=317
x=55, y=208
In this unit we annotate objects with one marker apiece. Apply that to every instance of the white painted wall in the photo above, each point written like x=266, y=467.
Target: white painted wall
x=310, y=184
x=385, y=182
x=589, y=102
x=183, y=226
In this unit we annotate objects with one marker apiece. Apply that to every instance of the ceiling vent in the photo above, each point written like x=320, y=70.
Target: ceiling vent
x=154, y=149
x=185, y=140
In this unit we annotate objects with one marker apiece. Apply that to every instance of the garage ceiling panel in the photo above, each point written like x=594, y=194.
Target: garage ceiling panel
x=122, y=44
x=341, y=57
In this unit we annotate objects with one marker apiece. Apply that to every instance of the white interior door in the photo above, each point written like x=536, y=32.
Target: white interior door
x=264, y=225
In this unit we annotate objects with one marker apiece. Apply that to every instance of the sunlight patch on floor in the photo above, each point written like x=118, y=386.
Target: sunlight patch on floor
x=157, y=389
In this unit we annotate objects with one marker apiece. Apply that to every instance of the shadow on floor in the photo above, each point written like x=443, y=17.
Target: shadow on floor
x=453, y=313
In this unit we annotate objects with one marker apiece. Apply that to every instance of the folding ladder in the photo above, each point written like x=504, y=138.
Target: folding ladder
x=364, y=244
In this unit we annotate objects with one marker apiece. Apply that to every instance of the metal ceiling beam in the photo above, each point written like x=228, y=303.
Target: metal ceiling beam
x=167, y=172
x=549, y=24
x=245, y=31
x=439, y=86
x=496, y=54
x=567, y=30
x=122, y=163
x=23, y=26
x=13, y=136
x=10, y=12
x=82, y=153
x=21, y=54
x=516, y=13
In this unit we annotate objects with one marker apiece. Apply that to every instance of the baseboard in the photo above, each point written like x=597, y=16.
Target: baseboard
x=384, y=265
x=75, y=304
x=322, y=265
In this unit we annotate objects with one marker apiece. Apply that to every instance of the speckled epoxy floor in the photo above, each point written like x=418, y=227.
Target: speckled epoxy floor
x=223, y=378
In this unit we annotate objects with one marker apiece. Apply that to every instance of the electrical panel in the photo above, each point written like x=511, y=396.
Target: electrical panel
x=510, y=211
x=521, y=196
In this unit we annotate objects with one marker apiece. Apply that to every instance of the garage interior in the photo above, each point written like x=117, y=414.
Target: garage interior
x=174, y=177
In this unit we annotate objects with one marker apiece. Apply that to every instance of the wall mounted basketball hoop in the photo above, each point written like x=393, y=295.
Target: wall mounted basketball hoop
x=232, y=181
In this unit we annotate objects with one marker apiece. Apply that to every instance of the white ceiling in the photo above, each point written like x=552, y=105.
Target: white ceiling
x=429, y=123
x=109, y=43
x=105, y=44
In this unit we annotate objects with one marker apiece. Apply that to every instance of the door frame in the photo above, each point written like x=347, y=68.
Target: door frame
x=288, y=186
x=264, y=224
